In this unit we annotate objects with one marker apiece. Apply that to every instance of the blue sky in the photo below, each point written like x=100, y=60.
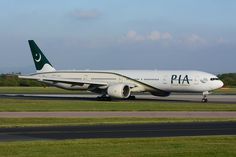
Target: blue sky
x=111, y=34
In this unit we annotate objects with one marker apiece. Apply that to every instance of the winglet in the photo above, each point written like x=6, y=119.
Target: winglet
x=41, y=62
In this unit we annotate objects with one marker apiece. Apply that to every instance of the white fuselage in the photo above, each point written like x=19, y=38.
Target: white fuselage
x=144, y=80
x=121, y=83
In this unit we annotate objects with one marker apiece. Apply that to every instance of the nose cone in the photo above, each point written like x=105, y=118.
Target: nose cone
x=217, y=84
x=220, y=84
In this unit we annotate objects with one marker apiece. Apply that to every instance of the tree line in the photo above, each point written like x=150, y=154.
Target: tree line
x=229, y=80
x=12, y=80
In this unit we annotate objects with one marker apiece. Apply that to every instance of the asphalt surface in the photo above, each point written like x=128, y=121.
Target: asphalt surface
x=113, y=114
x=118, y=131
x=226, y=99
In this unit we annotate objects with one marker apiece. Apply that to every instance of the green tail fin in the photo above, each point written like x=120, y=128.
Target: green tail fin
x=41, y=62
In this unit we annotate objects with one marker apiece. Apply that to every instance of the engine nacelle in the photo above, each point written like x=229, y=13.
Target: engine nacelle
x=119, y=91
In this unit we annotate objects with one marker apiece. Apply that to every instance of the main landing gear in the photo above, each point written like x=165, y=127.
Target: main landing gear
x=204, y=99
x=104, y=98
x=108, y=98
x=131, y=97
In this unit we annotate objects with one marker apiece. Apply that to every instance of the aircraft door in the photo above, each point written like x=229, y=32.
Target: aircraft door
x=121, y=79
x=165, y=79
x=85, y=78
x=196, y=80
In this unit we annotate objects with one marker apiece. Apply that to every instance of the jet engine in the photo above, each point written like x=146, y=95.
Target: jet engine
x=119, y=91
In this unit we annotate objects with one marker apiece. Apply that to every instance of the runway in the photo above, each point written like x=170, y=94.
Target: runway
x=196, y=98
x=121, y=114
x=118, y=131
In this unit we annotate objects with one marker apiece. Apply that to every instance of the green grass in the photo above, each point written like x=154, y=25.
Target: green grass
x=76, y=105
x=211, y=146
x=225, y=91
x=37, y=90
x=23, y=122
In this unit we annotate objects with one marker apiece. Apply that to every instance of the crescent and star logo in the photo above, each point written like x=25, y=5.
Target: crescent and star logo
x=38, y=55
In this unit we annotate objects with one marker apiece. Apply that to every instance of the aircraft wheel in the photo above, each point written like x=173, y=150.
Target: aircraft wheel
x=204, y=100
x=103, y=98
x=131, y=97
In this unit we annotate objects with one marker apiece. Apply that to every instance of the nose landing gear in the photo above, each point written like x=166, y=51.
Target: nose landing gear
x=204, y=99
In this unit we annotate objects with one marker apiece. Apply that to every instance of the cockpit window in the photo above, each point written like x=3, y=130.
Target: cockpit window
x=213, y=79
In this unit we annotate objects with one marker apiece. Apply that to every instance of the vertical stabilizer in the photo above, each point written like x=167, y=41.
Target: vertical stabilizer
x=41, y=62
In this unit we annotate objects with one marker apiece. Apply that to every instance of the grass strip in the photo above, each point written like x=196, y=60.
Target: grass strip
x=231, y=91
x=215, y=146
x=20, y=105
x=37, y=90
x=26, y=122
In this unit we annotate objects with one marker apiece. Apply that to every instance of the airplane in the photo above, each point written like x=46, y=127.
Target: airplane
x=122, y=83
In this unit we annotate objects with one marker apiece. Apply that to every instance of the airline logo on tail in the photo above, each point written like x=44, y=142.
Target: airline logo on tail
x=41, y=62
x=40, y=57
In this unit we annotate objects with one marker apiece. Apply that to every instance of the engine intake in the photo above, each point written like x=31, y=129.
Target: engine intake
x=119, y=91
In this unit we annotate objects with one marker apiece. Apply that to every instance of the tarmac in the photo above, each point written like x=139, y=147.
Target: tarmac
x=117, y=131
x=226, y=99
x=115, y=114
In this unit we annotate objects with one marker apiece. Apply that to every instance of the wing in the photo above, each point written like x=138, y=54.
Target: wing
x=64, y=80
